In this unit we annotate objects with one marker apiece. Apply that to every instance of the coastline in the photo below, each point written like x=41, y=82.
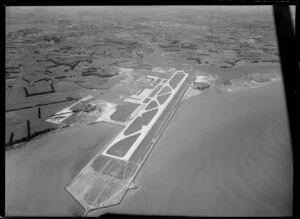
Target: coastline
x=16, y=147
x=36, y=174
x=171, y=111
x=189, y=93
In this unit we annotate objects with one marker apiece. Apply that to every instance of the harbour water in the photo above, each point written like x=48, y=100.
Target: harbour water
x=223, y=154
x=35, y=175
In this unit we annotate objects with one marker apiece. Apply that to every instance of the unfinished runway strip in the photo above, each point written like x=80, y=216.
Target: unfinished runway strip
x=104, y=181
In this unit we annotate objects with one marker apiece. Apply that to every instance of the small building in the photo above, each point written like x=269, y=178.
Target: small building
x=42, y=87
x=202, y=82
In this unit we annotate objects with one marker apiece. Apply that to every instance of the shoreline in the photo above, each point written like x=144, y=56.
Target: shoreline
x=189, y=93
x=36, y=175
x=21, y=145
x=235, y=84
x=239, y=64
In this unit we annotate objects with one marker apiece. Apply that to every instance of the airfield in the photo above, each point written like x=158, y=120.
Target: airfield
x=104, y=181
x=163, y=111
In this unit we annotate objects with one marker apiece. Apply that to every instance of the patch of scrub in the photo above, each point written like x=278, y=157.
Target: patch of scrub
x=121, y=147
x=162, y=99
x=166, y=89
x=155, y=90
x=146, y=100
x=123, y=111
x=140, y=121
x=175, y=80
x=148, y=116
x=135, y=126
x=226, y=82
x=151, y=105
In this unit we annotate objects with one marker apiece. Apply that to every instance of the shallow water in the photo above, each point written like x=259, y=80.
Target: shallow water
x=223, y=154
x=35, y=176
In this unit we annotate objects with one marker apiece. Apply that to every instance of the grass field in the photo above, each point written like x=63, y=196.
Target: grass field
x=43, y=26
x=123, y=111
x=16, y=120
x=121, y=147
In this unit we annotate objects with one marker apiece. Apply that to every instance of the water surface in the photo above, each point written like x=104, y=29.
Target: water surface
x=35, y=176
x=223, y=154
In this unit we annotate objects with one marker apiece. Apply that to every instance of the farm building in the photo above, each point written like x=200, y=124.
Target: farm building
x=42, y=87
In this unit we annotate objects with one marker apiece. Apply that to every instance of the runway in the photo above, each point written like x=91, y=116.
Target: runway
x=104, y=181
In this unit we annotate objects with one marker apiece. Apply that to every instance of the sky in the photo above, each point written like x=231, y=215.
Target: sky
x=252, y=8
x=221, y=7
